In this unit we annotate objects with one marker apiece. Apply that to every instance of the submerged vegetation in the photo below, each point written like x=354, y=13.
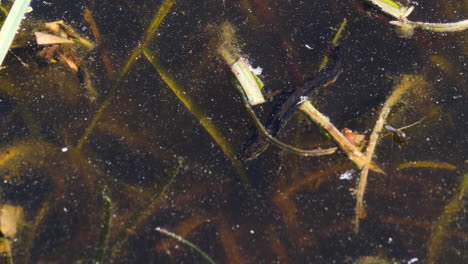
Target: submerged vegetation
x=99, y=162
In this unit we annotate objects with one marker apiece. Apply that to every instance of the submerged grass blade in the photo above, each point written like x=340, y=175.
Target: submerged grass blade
x=427, y=164
x=11, y=25
x=147, y=37
x=140, y=212
x=439, y=229
x=200, y=115
x=32, y=232
x=106, y=225
x=335, y=42
x=186, y=242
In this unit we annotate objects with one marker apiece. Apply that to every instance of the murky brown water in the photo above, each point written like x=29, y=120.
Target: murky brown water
x=98, y=198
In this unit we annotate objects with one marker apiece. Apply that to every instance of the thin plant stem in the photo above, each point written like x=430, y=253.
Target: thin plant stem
x=97, y=116
x=200, y=115
x=147, y=37
x=186, y=242
x=406, y=82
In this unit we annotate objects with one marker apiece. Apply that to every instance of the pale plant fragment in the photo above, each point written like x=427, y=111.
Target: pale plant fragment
x=392, y=8
x=10, y=218
x=351, y=150
x=228, y=49
x=49, y=39
x=407, y=26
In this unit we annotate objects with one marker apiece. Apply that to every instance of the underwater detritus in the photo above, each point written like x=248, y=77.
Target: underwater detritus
x=61, y=42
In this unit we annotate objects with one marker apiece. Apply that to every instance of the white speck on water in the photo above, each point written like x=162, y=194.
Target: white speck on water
x=347, y=175
x=257, y=71
x=64, y=149
x=308, y=47
x=252, y=232
x=65, y=210
x=303, y=99
x=413, y=260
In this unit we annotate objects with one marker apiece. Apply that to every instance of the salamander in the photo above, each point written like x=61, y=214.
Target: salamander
x=286, y=108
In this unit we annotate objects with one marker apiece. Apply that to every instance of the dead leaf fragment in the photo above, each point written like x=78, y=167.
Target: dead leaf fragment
x=10, y=217
x=49, y=39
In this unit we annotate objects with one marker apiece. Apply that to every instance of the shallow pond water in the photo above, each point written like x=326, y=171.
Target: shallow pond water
x=97, y=158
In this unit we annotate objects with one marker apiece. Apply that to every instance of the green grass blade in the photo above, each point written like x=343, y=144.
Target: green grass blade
x=147, y=37
x=11, y=25
x=199, y=114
